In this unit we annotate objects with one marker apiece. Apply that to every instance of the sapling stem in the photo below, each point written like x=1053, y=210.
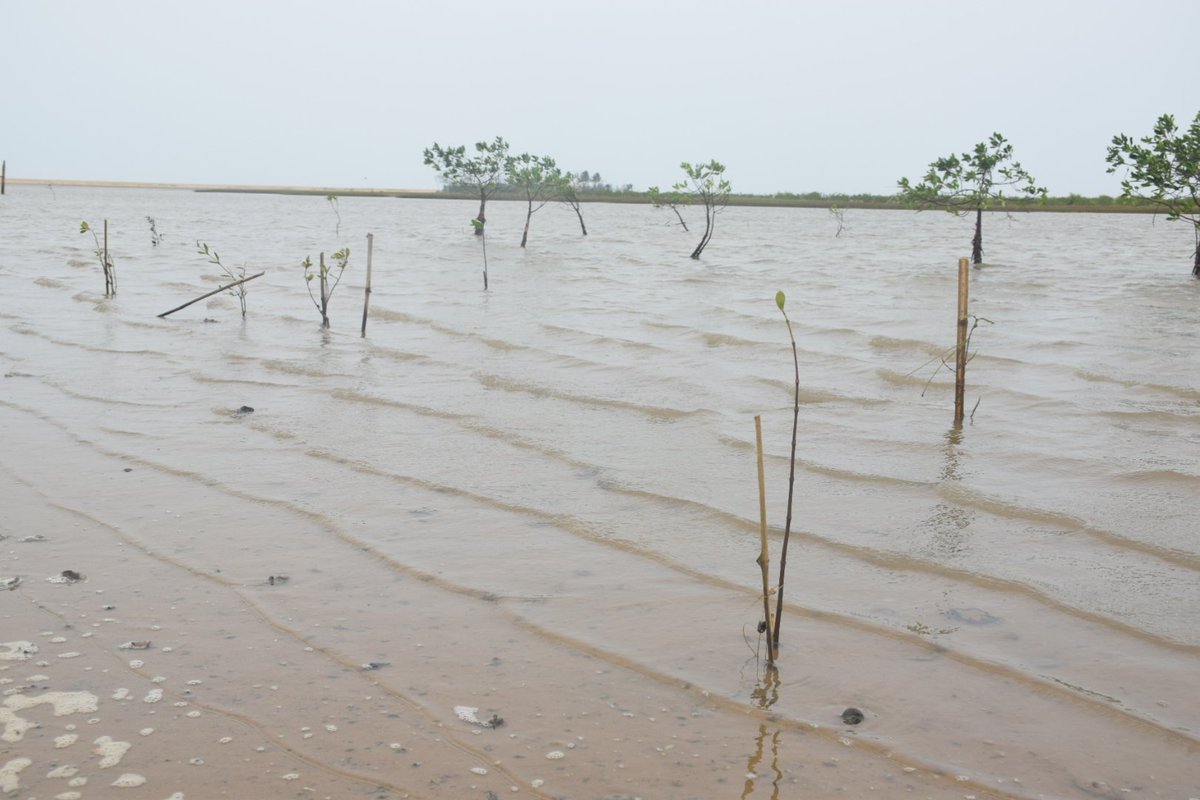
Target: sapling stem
x=780, y=299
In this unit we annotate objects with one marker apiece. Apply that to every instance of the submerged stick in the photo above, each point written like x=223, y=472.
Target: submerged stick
x=764, y=552
x=210, y=294
x=367, y=291
x=960, y=348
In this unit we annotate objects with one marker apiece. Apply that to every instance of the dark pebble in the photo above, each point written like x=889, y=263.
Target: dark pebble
x=852, y=716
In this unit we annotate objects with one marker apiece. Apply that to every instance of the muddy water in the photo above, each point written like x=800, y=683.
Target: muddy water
x=540, y=503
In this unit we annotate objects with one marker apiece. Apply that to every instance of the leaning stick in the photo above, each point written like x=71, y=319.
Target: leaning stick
x=764, y=553
x=210, y=294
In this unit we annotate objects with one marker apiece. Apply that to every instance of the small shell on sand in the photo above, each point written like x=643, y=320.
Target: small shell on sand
x=145, y=731
x=554, y=755
x=291, y=776
x=129, y=780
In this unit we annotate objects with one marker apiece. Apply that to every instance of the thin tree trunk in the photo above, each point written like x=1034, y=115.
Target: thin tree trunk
x=528, y=217
x=482, y=219
x=787, y=522
x=680, y=216
x=579, y=214
x=977, y=242
x=1196, y=256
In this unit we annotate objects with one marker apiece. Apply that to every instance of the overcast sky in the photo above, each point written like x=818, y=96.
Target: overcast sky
x=833, y=96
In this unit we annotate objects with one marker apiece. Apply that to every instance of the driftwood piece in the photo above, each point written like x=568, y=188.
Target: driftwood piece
x=210, y=294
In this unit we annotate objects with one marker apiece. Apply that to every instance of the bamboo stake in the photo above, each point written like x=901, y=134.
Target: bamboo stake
x=764, y=553
x=367, y=292
x=210, y=294
x=960, y=349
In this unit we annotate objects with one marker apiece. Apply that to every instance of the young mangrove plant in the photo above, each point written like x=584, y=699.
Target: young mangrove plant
x=155, y=236
x=106, y=262
x=839, y=216
x=322, y=273
x=568, y=193
x=482, y=172
x=1163, y=168
x=971, y=182
x=537, y=178
x=707, y=186
x=333, y=203
x=238, y=275
x=780, y=299
x=672, y=200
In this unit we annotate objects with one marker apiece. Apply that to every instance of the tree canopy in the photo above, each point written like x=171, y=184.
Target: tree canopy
x=1164, y=169
x=973, y=181
x=482, y=171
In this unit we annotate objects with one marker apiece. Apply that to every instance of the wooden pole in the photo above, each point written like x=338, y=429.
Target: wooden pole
x=324, y=295
x=960, y=349
x=210, y=294
x=764, y=552
x=3, y=175
x=367, y=292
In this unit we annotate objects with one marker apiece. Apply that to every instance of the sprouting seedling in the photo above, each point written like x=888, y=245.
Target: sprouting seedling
x=341, y=260
x=780, y=299
x=478, y=225
x=155, y=236
x=106, y=262
x=333, y=203
x=239, y=274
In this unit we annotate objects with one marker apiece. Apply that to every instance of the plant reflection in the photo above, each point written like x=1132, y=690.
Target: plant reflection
x=764, y=695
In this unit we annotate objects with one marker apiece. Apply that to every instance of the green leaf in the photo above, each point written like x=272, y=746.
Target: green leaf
x=780, y=299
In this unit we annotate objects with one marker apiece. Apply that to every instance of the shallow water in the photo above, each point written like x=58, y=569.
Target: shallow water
x=541, y=500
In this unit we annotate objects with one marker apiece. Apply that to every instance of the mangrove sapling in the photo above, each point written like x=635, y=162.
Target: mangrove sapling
x=971, y=182
x=839, y=216
x=155, y=236
x=672, y=200
x=568, y=193
x=707, y=185
x=239, y=275
x=537, y=178
x=482, y=172
x=478, y=225
x=106, y=262
x=1164, y=169
x=780, y=299
x=341, y=259
x=333, y=203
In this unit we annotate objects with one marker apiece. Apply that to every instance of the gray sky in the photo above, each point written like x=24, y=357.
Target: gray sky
x=792, y=96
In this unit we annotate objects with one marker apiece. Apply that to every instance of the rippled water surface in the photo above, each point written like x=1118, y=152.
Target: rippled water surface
x=540, y=501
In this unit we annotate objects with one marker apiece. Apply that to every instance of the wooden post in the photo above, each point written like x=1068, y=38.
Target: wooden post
x=960, y=349
x=367, y=291
x=324, y=295
x=3, y=175
x=764, y=552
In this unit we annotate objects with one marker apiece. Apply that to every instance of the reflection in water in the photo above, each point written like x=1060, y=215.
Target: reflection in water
x=764, y=695
x=949, y=524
